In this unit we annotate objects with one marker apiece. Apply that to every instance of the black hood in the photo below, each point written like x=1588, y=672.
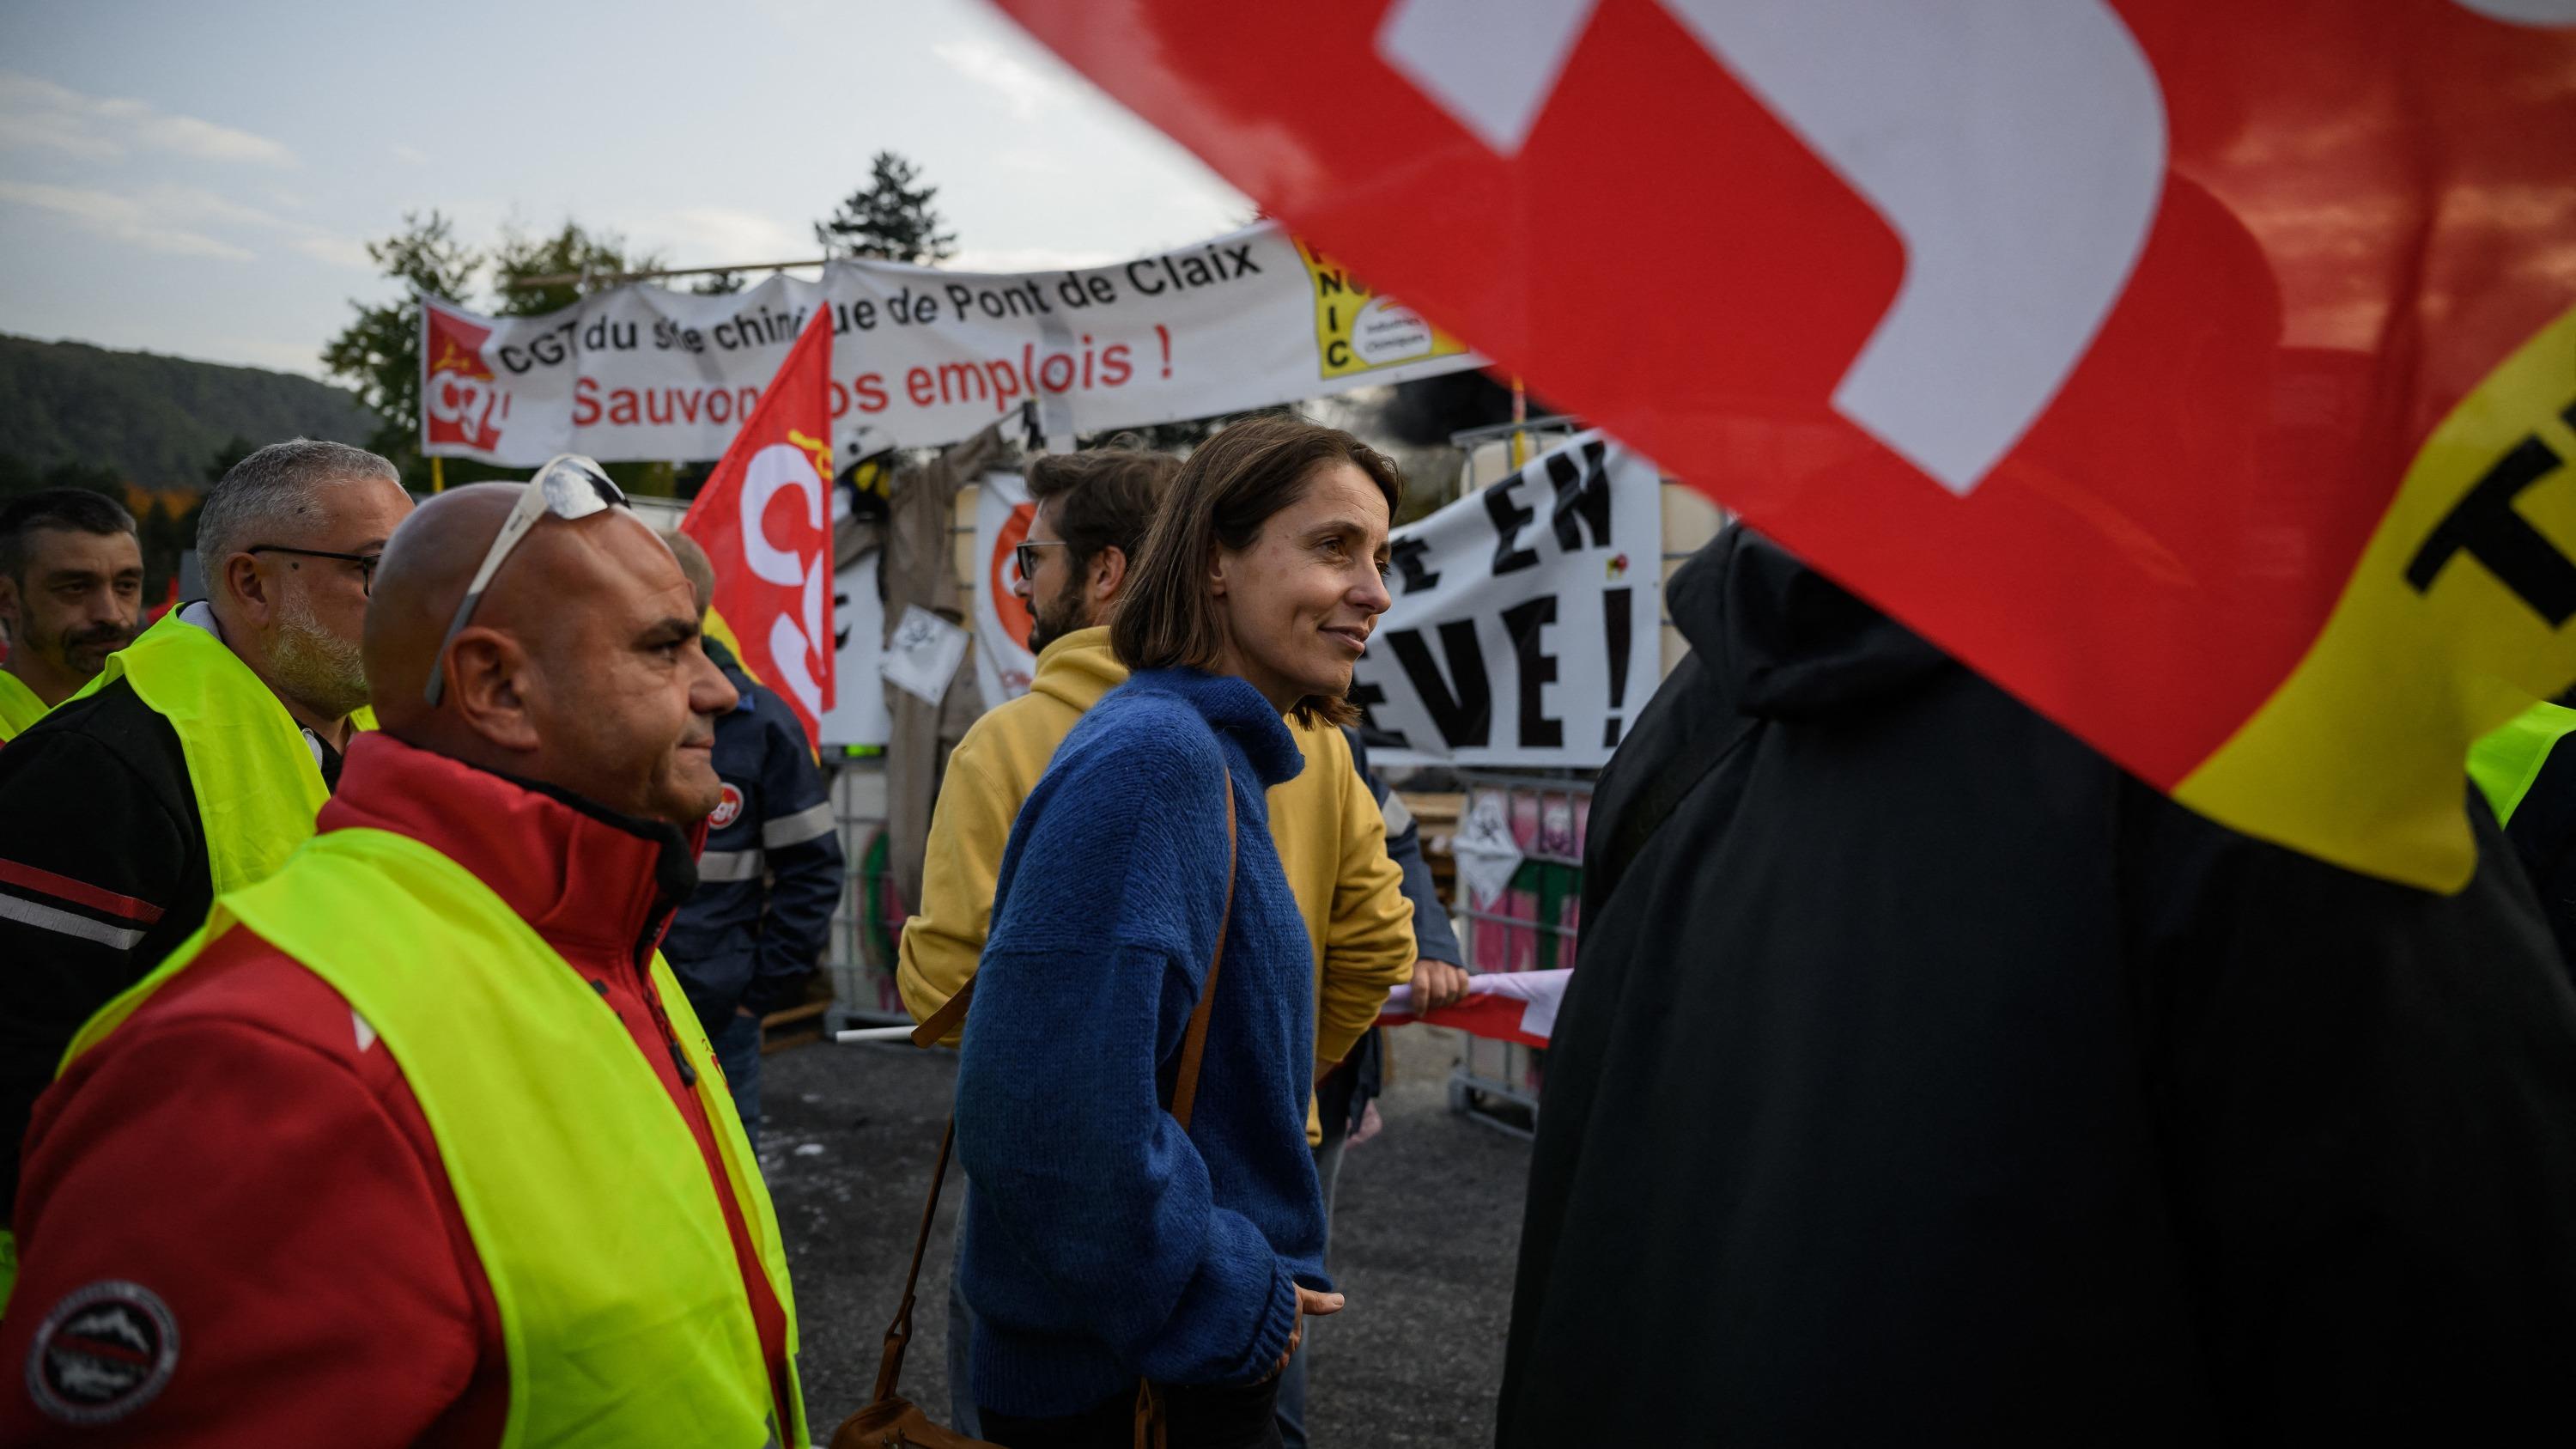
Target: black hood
x=1784, y=641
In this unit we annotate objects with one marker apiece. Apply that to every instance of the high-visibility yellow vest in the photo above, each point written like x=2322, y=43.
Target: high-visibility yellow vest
x=622, y=1306
x=257, y=786
x=19, y=706
x=2505, y=762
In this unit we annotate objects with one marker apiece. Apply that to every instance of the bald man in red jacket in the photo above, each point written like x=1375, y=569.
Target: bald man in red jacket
x=236, y=1223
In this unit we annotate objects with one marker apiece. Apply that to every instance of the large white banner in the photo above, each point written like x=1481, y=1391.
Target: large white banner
x=920, y=356
x=1003, y=663
x=1525, y=625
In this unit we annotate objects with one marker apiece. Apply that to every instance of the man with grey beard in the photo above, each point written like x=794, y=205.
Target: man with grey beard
x=195, y=761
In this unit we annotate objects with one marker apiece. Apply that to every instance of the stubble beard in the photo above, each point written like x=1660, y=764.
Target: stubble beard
x=319, y=668
x=83, y=653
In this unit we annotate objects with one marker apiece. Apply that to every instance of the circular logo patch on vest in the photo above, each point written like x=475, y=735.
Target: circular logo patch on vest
x=103, y=1352
x=728, y=809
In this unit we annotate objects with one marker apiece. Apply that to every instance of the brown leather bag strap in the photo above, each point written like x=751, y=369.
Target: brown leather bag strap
x=899, y=1332
x=935, y=1027
x=1185, y=1088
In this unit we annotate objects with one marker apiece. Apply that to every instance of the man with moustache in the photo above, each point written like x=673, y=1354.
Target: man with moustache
x=196, y=759
x=71, y=593
x=416, y=1142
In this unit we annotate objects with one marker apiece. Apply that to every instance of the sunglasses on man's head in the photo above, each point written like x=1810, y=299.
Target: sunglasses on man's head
x=569, y=487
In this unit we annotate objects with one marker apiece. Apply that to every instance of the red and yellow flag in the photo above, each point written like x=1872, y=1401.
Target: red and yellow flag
x=2202, y=372
x=765, y=520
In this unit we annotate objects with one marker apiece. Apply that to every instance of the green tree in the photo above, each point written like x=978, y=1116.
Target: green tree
x=96, y=477
x=167, y=533
x=227, y=457
x=378, y=355
x=575, y=251
x=157, y=534
x=717, y=284
x=890, y=218
x=571, y=251
x=17, y=476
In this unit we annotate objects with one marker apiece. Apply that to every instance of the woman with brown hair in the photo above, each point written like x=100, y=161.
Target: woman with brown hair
x=1106, y=1242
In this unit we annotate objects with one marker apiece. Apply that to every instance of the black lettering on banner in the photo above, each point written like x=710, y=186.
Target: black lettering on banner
x=1537, y=670
x=1582, y=496
x=2485, y=526
x=1409, y=558
x=1465, y=718
x=1368, y=697
x=1509, y=519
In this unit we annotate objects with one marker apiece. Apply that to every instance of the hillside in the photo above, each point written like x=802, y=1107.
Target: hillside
x=155, y=420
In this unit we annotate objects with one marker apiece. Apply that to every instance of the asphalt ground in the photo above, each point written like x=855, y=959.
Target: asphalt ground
x=1425, y=1230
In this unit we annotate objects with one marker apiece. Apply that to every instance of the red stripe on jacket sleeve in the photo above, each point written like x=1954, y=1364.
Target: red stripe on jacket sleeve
x=79, y=893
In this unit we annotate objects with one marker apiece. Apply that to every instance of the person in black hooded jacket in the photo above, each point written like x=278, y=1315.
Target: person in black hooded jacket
x=1926, y=1078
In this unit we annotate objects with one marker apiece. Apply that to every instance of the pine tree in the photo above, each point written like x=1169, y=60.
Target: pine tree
x=226, y=457
x=890, y=218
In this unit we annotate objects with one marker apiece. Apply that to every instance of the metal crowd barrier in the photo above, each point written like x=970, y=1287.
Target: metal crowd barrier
x=1531, y=925
x=867, y=921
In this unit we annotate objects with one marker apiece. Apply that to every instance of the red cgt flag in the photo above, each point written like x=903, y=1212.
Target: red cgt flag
x=765, y=520
x=2201, y=372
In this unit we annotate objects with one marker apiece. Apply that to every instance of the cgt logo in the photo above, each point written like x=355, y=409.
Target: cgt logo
x=798, y=637
x=728, y=808
x=460, y=403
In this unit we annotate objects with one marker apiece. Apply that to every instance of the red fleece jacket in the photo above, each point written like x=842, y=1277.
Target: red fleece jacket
x=244, y=1169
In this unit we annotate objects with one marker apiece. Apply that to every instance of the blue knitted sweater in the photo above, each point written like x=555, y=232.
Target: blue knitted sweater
x=1102, y=1243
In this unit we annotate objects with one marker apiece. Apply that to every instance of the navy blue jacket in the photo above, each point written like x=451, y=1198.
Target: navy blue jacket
x=1103, y=1243
x=771, y=871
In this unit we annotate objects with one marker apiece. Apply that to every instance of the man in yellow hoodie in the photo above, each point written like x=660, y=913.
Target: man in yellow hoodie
x=1091, y=512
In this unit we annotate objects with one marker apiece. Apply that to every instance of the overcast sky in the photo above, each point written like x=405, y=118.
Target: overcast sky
x=199, y=179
